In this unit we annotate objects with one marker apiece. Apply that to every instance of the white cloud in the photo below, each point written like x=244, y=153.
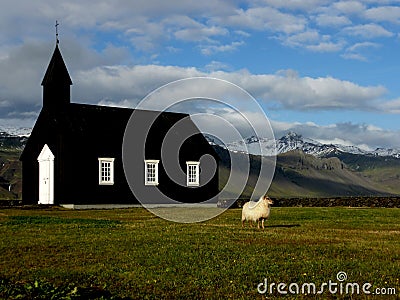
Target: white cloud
x=305, y=5
x=368, y=31
x=358, y=46
x=384, y=13
x=392, y=106
x=301, y=38
x=200, y=33
x=305, y=93
x=326, y=20
x=264, y=18
x=285, y=89
x=349, y=7
x=354, y=56
x=357, y=51
x=211, y=49
x=326, y=47
x=312, y=40
x=214, y=66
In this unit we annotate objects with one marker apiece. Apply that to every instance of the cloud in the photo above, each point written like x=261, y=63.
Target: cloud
x=211, y=49
x=384, y=14
x=214, y=66
x=305, y=5
x=326, y=20
x=349, y=7
x=326, y=47
x=357, y=51
x=283, y=90
x=392, y=107
x=264, y=18
x=358, y=46
x=200, y=33
x=312, y=40
x=301, y=38
x=291, y=91
x=368, y=31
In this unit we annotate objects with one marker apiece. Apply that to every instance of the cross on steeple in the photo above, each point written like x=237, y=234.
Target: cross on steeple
x=57, y=41
x=56, y=82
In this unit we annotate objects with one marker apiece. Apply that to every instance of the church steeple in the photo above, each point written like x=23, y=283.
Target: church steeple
x=56, y=83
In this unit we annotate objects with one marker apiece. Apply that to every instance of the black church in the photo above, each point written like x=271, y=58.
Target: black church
x=74, y=155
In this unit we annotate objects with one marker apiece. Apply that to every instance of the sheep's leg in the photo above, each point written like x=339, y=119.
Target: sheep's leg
x=243, y=222
x=258, y=224
x=262, y=223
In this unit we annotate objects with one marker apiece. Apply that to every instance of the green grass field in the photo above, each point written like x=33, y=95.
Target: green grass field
x=131, y=253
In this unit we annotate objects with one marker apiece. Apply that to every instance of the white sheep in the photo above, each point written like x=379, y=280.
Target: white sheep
x=256, y=211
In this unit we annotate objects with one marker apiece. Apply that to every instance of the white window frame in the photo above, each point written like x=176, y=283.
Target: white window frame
x=110, y=178
x=190, y=167
x=154, y=163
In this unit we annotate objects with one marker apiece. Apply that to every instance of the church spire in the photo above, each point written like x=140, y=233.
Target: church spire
x=56, y=82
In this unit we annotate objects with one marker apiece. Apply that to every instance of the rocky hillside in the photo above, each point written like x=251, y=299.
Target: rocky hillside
x=298, y=174
x=10, y=174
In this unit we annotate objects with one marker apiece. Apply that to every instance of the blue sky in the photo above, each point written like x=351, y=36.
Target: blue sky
x=326, y=69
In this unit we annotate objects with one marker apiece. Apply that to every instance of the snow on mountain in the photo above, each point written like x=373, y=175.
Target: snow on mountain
x=293, y=141
x=253, y=145
x=386, y=152
x=15, y=131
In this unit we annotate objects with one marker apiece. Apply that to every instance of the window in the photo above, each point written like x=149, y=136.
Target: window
x=151, y=172
x=106, y=171
x=192, y=173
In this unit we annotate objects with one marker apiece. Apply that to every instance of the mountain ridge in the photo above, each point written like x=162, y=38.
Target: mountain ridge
x=293, y=141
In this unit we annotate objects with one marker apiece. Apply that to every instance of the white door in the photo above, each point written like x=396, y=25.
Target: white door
x=46, y=176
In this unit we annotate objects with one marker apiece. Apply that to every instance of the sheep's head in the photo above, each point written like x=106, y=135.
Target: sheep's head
x=267, y=200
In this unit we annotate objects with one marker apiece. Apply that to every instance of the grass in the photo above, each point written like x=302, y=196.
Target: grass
x=131, y=253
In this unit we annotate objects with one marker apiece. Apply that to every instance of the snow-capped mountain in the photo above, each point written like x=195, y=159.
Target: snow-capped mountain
x=293, y=141
x=15, y=131
x=387, y=152
x=14, y=137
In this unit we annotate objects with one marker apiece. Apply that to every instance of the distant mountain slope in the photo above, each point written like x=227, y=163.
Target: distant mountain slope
x=8, y=140
x=384, y=171
x=12, y=142
x=298, y=174
x=10, y=174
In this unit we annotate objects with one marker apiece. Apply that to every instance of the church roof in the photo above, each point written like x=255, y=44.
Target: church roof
x=56, y=71
x=102, y=128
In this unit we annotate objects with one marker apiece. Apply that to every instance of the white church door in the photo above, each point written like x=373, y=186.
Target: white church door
x=46, y=176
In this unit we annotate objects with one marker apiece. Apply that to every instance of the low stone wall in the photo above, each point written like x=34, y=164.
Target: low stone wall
x=388, y=202
x=7, y=203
